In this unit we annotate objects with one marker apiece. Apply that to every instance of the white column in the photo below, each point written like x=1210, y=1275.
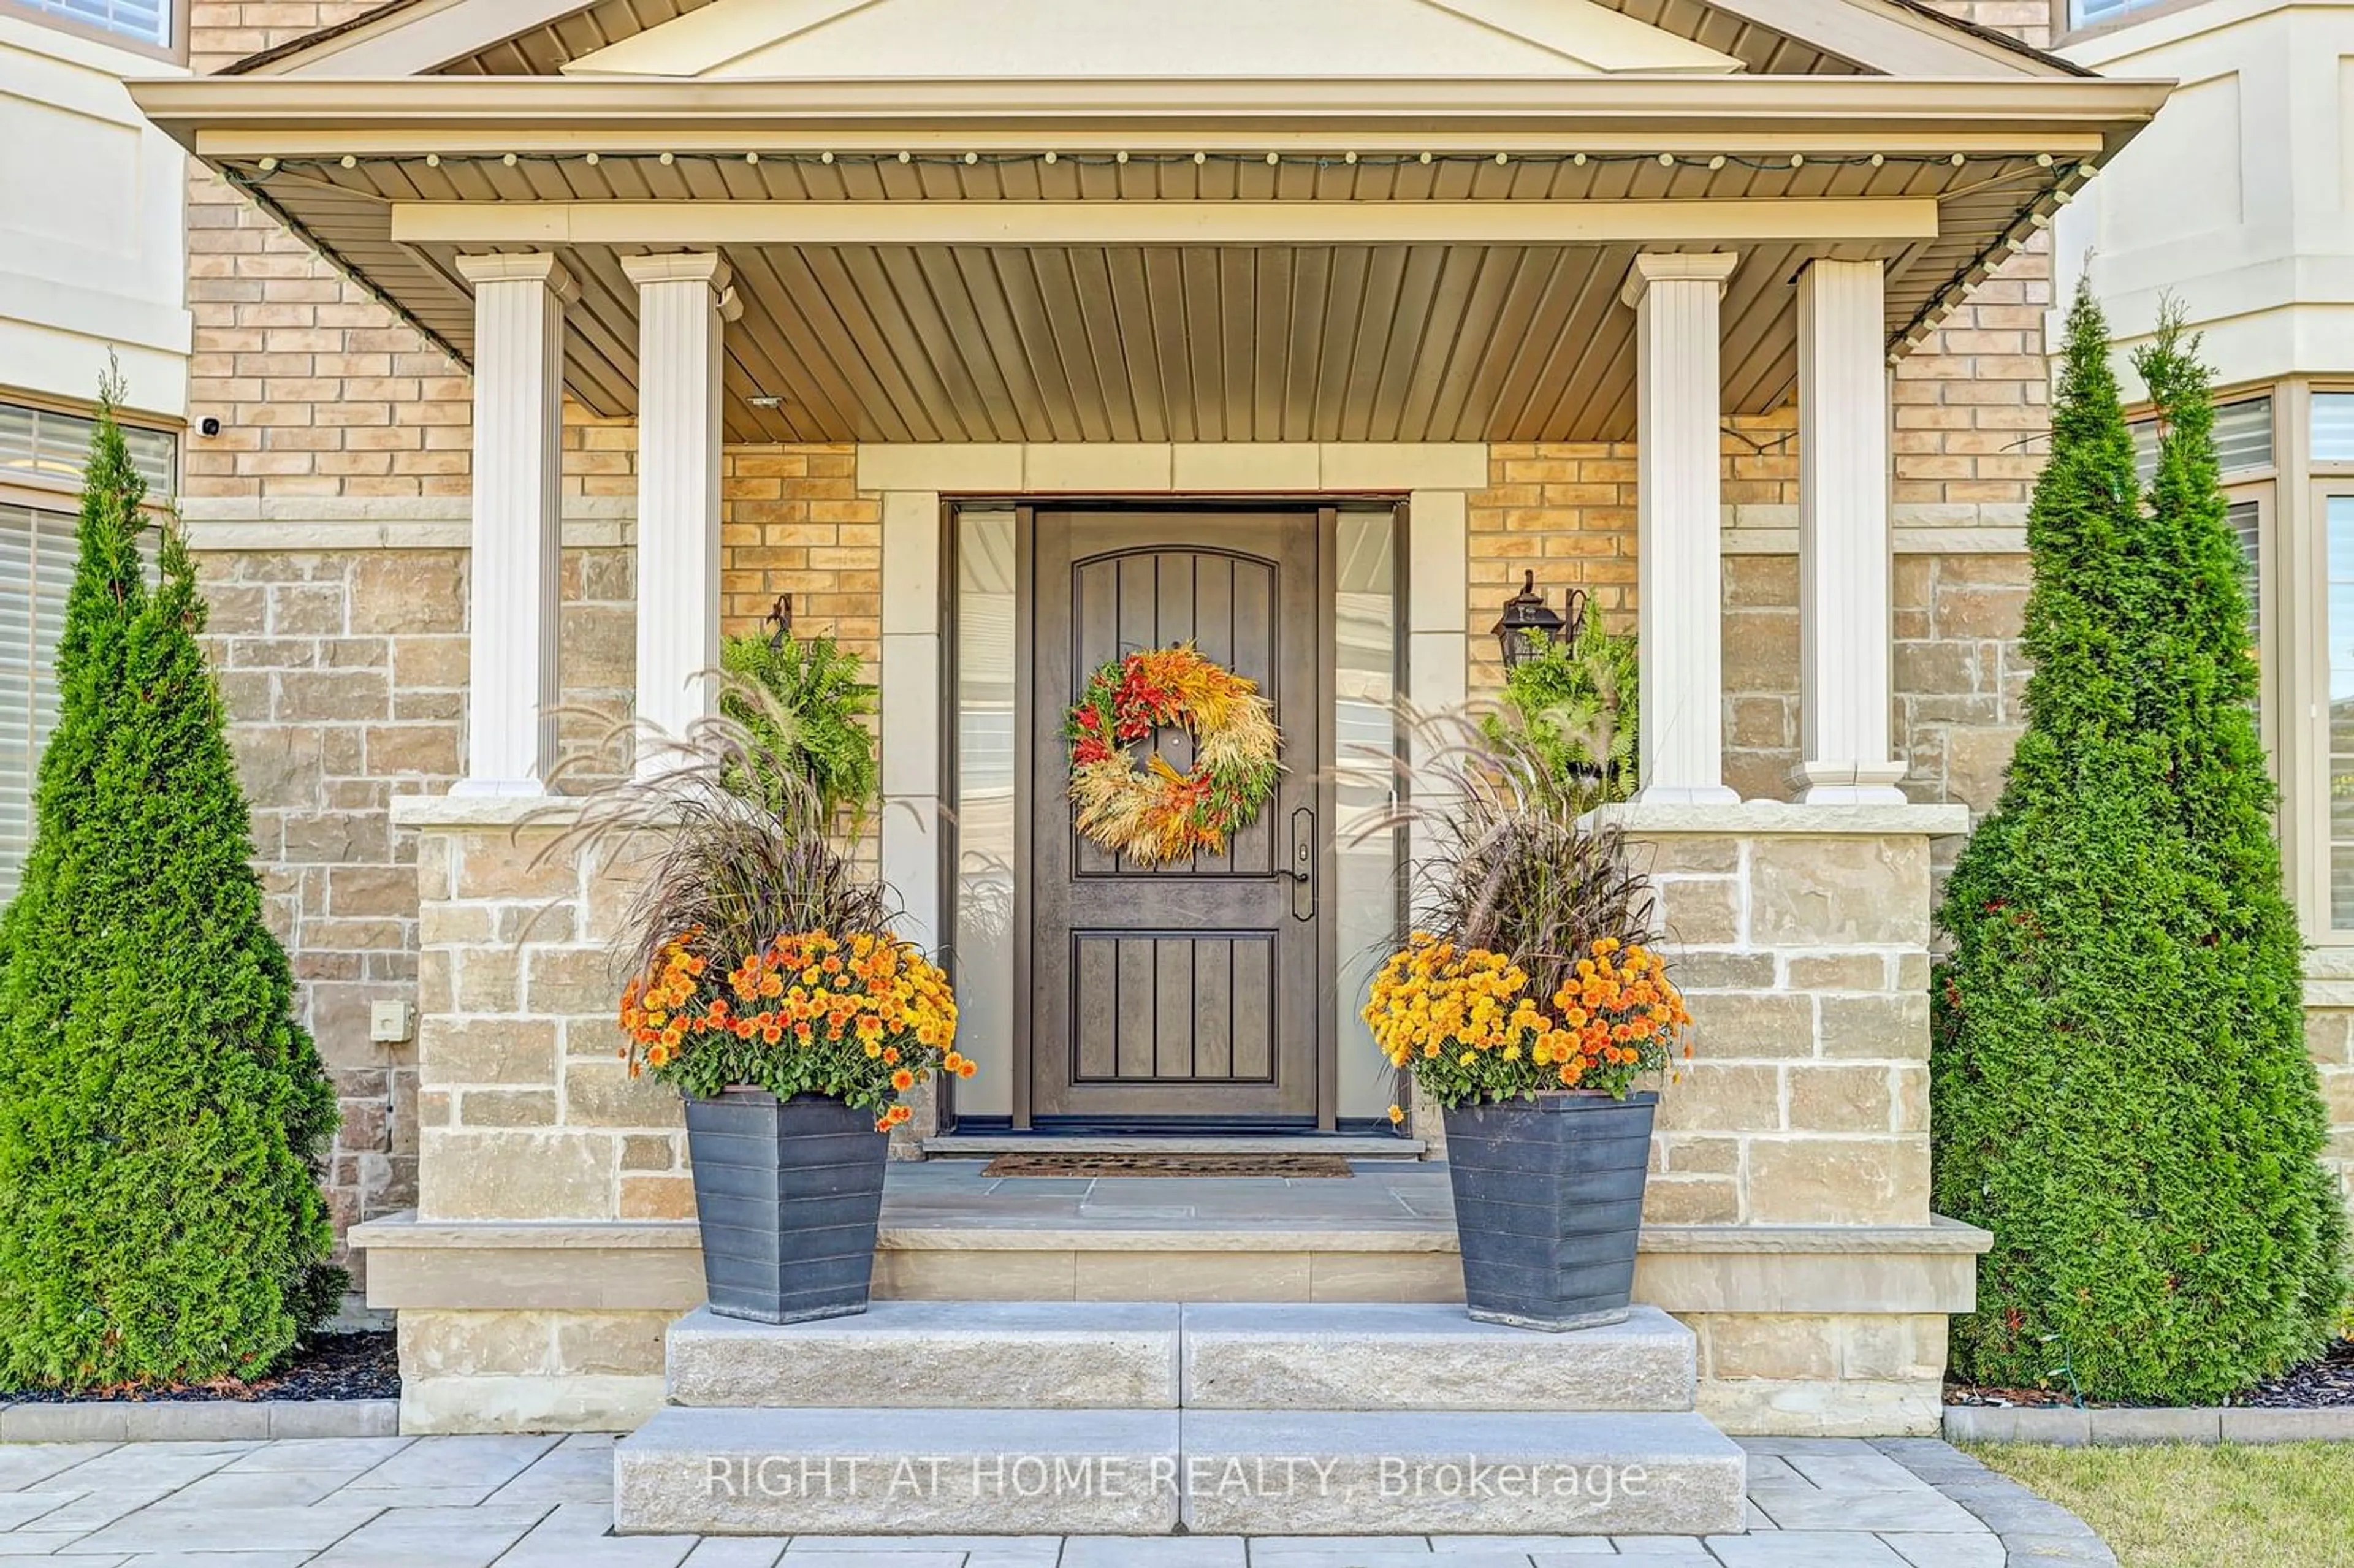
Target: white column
x=1843, y=540
x=1680, y=625
x=681, y=301
x=519, y=304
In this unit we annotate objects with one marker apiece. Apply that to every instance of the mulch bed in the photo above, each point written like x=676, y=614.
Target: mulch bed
x=324, y=1366
x=1097, y=1165
x=2325, y=1382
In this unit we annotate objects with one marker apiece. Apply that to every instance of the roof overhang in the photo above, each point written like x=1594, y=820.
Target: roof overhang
x=219, y=113
x=1459, y=221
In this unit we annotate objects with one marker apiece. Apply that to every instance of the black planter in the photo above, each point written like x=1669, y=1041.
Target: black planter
x=1548, y=1205
x=789, y=1194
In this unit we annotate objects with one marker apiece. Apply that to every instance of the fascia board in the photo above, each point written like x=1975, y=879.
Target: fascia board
x=1660, y=113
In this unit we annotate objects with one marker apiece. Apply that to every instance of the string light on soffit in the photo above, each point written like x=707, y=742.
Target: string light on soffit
x=1761, y=162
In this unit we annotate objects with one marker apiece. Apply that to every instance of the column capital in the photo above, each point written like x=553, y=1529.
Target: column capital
x=706, y=267
x=1676, y=265
x=521, y=267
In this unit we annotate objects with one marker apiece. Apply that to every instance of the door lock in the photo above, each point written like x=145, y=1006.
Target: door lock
x=1303, y=870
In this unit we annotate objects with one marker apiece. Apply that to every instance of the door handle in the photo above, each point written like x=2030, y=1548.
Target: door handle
x=1302, y=869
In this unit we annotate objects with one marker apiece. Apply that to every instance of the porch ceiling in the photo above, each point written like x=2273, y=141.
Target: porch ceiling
x=1383, y=342
x=1395, y=308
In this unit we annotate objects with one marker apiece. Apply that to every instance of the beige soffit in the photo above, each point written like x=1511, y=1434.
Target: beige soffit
x=539, y=37
x=800, y=40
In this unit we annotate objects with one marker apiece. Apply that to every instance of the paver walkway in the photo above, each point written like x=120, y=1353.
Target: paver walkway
x=546, y=1503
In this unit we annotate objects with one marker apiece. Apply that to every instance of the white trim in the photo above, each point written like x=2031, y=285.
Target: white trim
x=1814, y=219
x=907, y=682
x=1152, y=468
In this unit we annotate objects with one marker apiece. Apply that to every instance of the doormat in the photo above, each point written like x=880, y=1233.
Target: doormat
x=1089, y=1165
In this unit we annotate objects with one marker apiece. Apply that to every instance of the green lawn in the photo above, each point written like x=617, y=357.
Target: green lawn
x=2290, y=1506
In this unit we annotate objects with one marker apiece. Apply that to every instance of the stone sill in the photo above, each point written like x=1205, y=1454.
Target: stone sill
x=2065, y=1427
x=381, y=522
x=1084, y=1146
x=465, y=812
x=206, y=1421
x=654, y=1266
x=1784, y=819
x=1940, y=1236
x=404, y=1229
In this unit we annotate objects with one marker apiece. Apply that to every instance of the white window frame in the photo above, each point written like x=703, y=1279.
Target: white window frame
x=173, y=48
x=2306, y=489
x=2071, y=23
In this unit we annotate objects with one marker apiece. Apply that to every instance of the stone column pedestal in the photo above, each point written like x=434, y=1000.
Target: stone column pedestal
x=1800, y=937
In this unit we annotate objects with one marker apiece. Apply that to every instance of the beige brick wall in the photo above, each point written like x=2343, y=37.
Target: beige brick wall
x=221, y=32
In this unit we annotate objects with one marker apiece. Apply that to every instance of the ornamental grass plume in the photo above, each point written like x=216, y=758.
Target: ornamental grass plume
x=1509, y=860
x=1531, y=973
x=757, y=952
x=732, y=863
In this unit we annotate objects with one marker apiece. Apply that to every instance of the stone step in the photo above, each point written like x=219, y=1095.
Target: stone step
x=899, y=1472
x=1119, y=1355
x=1411, y=1356
x=1050, y=1355
x=1407, y=1472
x=1091, y=1472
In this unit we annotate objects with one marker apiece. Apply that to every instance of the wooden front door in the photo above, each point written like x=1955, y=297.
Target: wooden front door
x=1192, y=995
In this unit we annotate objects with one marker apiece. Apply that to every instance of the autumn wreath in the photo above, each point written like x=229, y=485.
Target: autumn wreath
x=1155, y=814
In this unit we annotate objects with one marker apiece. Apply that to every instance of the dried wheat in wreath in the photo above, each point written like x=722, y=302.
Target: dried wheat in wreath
x=1153, y=815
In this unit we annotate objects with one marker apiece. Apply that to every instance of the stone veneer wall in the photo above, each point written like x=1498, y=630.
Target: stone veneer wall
x=1802, y=942
x=345, y=672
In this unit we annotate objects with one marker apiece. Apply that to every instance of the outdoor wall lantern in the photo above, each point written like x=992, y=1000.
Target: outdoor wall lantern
x=1531, y=626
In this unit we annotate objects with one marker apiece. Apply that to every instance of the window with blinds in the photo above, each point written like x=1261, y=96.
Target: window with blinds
x=2247, y=521
x=149, y=21
x=36, y=564
x=2243, y=437
x=45, y=447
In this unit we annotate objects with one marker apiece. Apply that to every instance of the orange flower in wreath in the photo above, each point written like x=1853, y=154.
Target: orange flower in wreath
x=1154, y=815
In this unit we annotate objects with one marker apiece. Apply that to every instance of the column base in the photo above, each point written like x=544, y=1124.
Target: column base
x=1687, y=795
x=1848, y=783
x=501, y=787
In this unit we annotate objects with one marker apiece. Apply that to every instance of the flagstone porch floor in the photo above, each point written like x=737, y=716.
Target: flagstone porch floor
x=547, y=1503
x=1400, y=1198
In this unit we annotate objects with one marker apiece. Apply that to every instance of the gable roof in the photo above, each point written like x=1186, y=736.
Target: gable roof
x=830, y=39
x=1799, y=37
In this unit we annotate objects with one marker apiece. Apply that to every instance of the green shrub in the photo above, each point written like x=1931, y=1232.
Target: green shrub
x=1576, y=702
x=2119, y=1082
x=162, y=1115
x=804, y=707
